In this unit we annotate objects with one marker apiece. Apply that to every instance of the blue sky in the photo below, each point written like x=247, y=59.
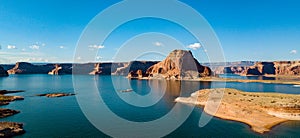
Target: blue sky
x=48, y=31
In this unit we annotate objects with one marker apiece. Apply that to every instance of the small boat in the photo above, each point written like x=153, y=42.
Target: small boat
x=127, y=90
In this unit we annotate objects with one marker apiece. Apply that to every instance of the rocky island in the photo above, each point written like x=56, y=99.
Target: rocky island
x=53, y=95
x=260, y=110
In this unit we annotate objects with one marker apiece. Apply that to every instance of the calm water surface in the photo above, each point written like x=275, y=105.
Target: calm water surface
x=62, y=117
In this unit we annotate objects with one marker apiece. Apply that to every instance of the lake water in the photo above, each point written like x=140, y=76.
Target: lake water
x=63, y=117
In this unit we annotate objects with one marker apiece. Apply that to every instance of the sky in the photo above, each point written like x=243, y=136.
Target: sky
x=48, y=31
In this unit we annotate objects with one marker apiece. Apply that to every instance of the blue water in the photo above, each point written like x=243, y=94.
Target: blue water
x=62, y=117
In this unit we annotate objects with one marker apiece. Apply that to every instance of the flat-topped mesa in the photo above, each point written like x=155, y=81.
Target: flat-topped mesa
x=179, y=65
x=290, y=68
x=3, y=73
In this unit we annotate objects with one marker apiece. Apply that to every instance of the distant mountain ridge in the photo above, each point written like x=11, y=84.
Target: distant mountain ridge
x=68, y=68
x=123, y=68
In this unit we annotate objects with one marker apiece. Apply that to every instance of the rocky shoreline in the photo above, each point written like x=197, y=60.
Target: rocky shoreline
x=217, y=79
x=261, y=111
x=9, y=129
x=7, y=112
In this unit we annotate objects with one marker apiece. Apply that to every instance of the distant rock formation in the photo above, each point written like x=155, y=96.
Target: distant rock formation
x=138, y=74
x=97, y=69
x=3, y=73
x=179, y=64
x=133, y=67
x=55, y=71
x=289, y=68
x=27, y=68
x=231, y=69
x=285, y=68
x=225, y=67
x=60, y=69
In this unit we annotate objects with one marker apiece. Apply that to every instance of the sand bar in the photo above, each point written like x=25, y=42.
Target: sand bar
x=261, y=111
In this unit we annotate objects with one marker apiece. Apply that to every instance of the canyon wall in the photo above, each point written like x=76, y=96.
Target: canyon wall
x=289, y=68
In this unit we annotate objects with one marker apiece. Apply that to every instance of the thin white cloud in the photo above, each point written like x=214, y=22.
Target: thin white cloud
x=34, y=47
x=40, y=44
x=96, y=46
x=11, y=47
x=22, y=56
x=293, y=52
x=158, y=44
x=61, y=47
x=194, y=46
x=98, y=57
x=33, y=59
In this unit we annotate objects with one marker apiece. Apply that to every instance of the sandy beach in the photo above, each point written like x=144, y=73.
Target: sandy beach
x=261, y=111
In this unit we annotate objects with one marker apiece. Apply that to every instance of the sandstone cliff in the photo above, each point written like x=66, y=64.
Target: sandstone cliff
x=231, y=69
x=3, y=73
x=27, y=68
x=289, y=68
x=138, y=74
x=179, y=64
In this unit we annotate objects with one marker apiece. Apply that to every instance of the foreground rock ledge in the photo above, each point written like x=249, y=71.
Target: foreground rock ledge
x=10, y=129
x=261, y=111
